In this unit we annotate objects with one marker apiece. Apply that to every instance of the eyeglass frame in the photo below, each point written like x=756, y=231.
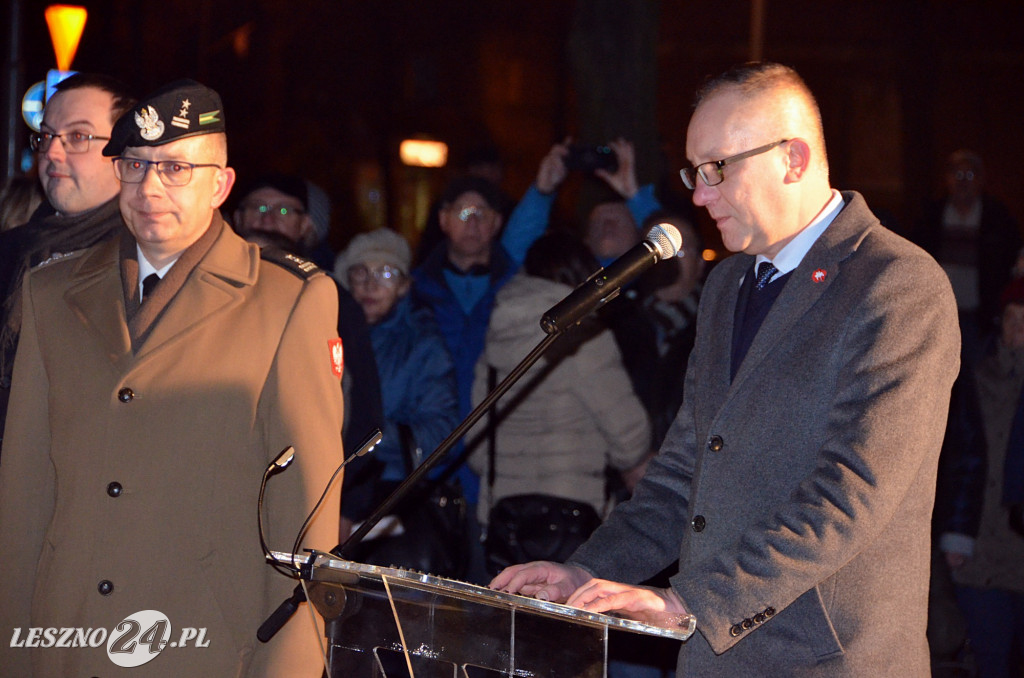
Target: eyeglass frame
x=150, y=163
x=386, y=275
x=40, y=142
x=719, y=164
x=264, y=209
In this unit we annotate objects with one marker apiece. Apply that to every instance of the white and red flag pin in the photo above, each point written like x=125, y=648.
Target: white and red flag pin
x=819, y=275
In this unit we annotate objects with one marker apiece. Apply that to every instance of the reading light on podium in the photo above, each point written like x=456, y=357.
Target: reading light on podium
x=423, y=153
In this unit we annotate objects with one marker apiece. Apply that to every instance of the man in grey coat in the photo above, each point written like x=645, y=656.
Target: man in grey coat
x=796, y=484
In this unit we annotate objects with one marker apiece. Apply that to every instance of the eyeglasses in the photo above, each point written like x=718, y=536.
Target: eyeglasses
x=74, y=142
x=171, y=172
x=471, y=211
x=264, y=210
x=360, y=274
x=711, y=172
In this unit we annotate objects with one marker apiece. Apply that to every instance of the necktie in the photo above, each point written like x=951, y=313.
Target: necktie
x=765, y=271
x=149, y=284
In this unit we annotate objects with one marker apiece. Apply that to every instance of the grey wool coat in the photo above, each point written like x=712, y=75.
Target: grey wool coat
x=798, y=495
x=141, y=468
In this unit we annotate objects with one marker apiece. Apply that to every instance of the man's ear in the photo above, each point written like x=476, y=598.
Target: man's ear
x=224, y=182
x=798, y=159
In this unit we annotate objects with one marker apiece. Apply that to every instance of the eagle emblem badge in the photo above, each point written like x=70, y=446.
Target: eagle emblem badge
x=150, y=126
x=337, y=357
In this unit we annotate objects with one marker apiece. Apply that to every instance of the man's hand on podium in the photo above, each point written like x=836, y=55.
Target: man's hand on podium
x=576, y=587
x=542, y=580
x=641, y=603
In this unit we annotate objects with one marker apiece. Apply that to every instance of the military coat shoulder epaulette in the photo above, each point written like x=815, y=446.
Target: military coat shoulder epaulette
x=303, y=268
x=57, y=256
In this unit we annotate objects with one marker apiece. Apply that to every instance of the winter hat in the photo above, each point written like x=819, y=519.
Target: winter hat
x=382, y=244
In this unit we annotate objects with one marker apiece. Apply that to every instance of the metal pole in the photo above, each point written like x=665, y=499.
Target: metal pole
x=14, y=89
x=757, y=11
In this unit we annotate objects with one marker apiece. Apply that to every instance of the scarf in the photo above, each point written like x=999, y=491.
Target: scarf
x=46, y=235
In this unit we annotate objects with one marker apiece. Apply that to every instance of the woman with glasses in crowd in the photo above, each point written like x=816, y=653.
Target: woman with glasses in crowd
x=417, y=375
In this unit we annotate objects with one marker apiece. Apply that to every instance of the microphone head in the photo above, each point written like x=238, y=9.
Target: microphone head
x=283, y=459
x=666, y=239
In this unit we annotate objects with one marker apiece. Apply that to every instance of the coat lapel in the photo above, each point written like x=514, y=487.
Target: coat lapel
x=218, y=283
x=806, y=285
x=94, y=297
x=720, y=311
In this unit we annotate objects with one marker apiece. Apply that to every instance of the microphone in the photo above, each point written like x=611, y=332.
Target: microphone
x=285, y=610
x=365, y=447
x=280, y=463
x=663, y=241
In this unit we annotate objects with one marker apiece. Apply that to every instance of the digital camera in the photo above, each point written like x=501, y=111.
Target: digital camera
x=590, y=158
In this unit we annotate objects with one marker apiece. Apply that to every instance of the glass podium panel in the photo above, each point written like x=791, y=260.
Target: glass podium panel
x=382, y=621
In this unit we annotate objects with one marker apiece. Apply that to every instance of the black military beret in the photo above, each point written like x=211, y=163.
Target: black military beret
x=184, y=108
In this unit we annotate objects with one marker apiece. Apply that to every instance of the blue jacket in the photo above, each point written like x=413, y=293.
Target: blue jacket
x=535, y=209
x=463, y=319
x=417, y=380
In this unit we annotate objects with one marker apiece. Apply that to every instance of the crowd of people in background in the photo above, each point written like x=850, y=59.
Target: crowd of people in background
x=424, y=343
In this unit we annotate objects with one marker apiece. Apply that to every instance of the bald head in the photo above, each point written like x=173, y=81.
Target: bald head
x=756, y=136
x=780, y=103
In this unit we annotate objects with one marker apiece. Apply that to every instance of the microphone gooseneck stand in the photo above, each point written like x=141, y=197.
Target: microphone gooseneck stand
x=285, y=610
x=663, y=241
x=446, y=445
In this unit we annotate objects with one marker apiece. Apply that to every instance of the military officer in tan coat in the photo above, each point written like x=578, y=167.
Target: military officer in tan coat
x=140, y=428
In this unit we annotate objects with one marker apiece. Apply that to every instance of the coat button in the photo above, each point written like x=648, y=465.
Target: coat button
x=699, y=523
x=105, y=587
x=114, y=489
x=770, y=612
x=125, y=395
x=747, y=623
x=760, y=617
x=735, y=630
x=715, y=443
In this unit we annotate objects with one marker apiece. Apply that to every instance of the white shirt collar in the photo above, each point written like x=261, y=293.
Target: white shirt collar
x=146, y=268
x=790, y=256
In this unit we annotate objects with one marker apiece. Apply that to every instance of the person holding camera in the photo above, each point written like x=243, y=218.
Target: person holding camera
x=612, y=225
x=458, y=281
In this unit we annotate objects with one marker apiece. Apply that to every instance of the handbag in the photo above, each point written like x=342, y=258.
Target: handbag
x=525, y=527
x=433, y=519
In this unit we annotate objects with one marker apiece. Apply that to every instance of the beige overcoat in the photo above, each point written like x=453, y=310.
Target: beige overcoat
x=129, y=481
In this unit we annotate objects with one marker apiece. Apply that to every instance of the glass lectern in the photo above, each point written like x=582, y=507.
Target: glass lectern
x=389, y=623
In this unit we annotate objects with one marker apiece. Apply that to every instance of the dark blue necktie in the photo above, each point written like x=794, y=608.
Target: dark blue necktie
x=765, y=271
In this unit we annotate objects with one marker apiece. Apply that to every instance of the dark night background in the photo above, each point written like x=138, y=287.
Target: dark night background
x=327, y=88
